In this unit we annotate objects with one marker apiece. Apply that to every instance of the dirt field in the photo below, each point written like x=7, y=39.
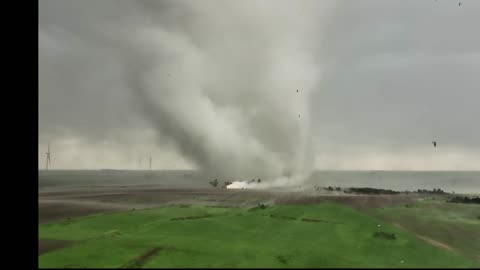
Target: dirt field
x=46, y=245
x=356, y=201
x=75, y=202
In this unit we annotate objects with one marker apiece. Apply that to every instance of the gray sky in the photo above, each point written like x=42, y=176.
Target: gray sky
x=212, y=84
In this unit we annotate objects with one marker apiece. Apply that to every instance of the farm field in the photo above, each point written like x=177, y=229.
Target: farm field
x=317, y=235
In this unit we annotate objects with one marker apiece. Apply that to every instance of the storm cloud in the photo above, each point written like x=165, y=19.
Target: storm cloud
x=212, y=85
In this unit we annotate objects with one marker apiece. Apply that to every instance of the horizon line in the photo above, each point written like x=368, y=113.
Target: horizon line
x=325, y=170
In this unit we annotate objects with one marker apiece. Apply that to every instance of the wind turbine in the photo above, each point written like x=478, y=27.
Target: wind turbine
x=48, y=156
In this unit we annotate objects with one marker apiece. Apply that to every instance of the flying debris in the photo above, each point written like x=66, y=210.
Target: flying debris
x=434, y=144
x=299, y=114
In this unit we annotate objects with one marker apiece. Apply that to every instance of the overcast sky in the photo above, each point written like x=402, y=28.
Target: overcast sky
x=212, y=84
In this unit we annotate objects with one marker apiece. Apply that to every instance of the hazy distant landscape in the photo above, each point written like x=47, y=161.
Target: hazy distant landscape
x=456, y=181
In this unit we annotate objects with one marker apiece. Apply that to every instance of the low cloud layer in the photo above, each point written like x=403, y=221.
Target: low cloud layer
x=212, y=85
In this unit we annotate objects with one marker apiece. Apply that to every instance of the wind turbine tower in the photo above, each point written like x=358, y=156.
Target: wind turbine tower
x=150, y=163
x=48, y=156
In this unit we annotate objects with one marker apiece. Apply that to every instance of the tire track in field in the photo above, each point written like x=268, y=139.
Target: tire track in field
x=428, y=240
x=142, y=259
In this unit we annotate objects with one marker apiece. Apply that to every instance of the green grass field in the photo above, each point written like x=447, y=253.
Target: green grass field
x=457, y=225
x=198, y=236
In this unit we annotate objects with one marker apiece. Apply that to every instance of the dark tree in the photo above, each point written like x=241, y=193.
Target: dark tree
x=214, y=183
